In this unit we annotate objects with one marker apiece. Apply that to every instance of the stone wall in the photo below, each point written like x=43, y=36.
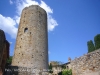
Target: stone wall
x=2, y=42
x=4, y=51
x=56, y=69
x=5, y=55
x=88, y=64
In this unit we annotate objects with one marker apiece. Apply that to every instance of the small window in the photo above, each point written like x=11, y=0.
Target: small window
x=25, y=30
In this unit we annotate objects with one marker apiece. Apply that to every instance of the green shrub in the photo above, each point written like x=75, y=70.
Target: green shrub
x=67, y=72
x=9, y=60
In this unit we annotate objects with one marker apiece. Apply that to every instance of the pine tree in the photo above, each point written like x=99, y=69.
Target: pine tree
x=90, y=46
x=97, y=41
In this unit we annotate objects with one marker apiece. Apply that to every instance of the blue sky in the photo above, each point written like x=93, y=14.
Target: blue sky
x=71, y=23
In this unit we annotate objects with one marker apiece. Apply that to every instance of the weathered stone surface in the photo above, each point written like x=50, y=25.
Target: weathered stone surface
x=2, y=42
x=31, y=48
x=88, y=64
x=4, y=51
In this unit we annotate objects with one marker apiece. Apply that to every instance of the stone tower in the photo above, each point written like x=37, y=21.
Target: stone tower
x=31, y=50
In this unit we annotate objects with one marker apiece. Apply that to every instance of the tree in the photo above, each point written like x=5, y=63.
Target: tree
x=9, y=60
x=97, y=41
x=90, y=46
x=50, y=68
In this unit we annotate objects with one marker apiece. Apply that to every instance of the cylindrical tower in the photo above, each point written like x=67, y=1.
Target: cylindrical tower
x=31, y=50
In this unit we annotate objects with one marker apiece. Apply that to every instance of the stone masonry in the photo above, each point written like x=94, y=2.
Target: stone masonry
x=4, y=51
x=88, y=64
x=2, y=42
x=31, y=50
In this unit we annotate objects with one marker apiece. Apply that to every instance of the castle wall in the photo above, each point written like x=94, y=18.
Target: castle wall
x=2, y=42
x=4, y=51
x=31, y=50
x=88, y=64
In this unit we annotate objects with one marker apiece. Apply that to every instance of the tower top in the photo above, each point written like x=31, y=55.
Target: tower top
x=34, y=7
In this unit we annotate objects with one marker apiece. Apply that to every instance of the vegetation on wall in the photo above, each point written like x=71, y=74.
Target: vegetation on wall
x=65, y=72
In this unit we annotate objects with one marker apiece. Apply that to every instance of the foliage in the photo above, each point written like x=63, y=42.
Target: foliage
x=50, y=68
x=9, y=60
x=90, y=46
x=97, y=41
x=67, y=72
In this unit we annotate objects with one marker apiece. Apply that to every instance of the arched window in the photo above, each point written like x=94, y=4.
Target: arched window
x=25, y=30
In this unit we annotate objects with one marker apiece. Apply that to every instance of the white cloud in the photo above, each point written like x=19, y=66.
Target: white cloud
x=17, y=19
x=8, y=25
x=11, y=2
x=46, y=7
x=21, y=4
x=52, y=23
